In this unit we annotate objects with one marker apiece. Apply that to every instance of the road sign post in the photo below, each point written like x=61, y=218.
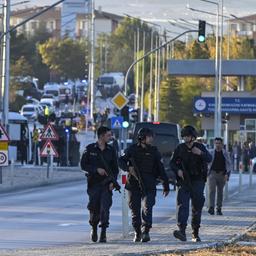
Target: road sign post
x=4, y=161
x=48, y=160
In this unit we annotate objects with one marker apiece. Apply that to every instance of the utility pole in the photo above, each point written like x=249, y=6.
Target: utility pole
x=142, y=82
x=151, y=80
x=92, y=58
x=137, y=71
x=6, y=63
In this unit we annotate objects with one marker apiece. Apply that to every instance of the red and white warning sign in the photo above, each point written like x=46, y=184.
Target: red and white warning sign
x=49, y=133
x=3, y=134
x=49, y=149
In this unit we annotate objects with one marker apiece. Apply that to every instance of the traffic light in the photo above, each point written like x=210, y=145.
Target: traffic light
x=201, y=31
x=125, y=113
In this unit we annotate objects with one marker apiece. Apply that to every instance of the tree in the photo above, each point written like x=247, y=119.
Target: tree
x=21, y=68
x=65, y=57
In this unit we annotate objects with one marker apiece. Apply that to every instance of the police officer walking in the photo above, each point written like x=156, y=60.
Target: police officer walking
x=99, y=161
x=219, y=172
x=143, y=163
x=189, y=161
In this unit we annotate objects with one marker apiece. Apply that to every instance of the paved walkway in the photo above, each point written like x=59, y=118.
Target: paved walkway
x=239, y=214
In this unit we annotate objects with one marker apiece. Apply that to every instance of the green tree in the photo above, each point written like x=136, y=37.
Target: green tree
x=21, y=68
x=65, y=57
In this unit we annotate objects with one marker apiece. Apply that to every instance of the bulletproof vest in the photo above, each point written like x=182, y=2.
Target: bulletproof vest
x=192, y=162
x=145, y=158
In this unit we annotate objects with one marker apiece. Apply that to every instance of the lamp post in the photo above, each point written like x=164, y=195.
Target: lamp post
x=217, y=89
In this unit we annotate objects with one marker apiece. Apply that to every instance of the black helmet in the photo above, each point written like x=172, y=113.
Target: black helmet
x=143, y=133
x=188, y=130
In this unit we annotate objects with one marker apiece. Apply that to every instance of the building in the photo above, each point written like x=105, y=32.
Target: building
x=71, y=20
x=243, y=26
x=50, y=20
x=104, y=23
x=69, y=11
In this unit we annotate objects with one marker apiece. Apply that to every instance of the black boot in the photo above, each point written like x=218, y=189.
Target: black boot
x=211, y=211
x=145, y=235
x=103, y=237
x=219, y=212
x=195, y=235
x=180, y=234
x=137, y=235
x=94, y=235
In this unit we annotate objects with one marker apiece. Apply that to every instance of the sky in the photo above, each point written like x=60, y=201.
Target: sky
x=164, y=10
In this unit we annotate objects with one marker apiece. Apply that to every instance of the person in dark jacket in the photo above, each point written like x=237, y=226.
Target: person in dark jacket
x=143, y=163
x=99, y=160
x=189, y=161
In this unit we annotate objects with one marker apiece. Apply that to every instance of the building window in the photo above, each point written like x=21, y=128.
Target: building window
x=51, y=25
x=33, y=25
x=250, y=124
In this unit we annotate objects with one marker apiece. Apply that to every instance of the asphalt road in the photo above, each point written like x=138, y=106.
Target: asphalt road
x=57, y=215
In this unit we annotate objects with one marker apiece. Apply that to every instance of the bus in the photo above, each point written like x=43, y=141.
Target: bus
x=166, y=139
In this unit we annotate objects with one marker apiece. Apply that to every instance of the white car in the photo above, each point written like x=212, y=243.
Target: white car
x=30, y=111
x=48, y=101
x=49, y=97
x=48, y=104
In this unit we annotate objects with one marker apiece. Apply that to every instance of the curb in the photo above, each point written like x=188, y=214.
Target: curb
x=38, y=184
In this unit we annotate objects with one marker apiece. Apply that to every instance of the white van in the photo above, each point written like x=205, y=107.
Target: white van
x=53, y=89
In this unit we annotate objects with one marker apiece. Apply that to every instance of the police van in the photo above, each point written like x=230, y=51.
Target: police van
x=166, y=138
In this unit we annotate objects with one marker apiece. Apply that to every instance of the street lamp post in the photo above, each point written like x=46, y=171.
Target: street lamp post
x=217, y=85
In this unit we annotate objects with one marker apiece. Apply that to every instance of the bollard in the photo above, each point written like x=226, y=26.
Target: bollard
x=235, y=162
x=240, y=175
x=51, y=166
x=207, y=194
x=125, y=220
x=226, y=191
x=12, y=171
x=250, y=177
x=39, y=156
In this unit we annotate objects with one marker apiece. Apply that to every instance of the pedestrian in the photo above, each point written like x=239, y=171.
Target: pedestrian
x=143, y=163
x=99, y=161
x=189, y=162
x=246, y=156
x=219, y=173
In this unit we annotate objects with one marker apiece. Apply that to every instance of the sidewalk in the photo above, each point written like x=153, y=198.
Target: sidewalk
x=239, y=214
x=28, y=176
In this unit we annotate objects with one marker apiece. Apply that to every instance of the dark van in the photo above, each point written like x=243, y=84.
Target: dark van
x=166, y=138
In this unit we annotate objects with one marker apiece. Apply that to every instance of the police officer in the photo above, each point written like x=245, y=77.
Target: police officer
x=99, y=160
x=143, y=163
x=189, y=161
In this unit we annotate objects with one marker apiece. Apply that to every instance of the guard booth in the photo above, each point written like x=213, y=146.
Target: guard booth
x=19, y=135
x=238, y=107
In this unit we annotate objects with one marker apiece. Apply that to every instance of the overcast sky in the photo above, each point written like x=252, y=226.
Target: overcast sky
x=163, y=10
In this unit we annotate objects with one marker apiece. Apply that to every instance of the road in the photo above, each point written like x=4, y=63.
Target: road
x=57, y=215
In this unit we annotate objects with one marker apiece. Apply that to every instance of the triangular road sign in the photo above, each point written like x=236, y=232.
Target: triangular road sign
x=3, y=134
x=117, y=124
x=49, y=133
x=49, y=149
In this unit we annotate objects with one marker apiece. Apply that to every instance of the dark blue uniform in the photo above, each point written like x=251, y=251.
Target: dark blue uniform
x=100, y=197
x=194, y=168
x=148, y=162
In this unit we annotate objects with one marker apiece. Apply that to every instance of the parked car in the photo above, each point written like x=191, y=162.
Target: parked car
x=47, y=104
x=30, y=111
x=48, y=98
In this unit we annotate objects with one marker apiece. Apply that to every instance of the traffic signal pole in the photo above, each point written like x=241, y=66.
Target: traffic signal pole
x=150, y=52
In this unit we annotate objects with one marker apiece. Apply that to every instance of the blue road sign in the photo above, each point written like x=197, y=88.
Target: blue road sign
x=116, y=122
